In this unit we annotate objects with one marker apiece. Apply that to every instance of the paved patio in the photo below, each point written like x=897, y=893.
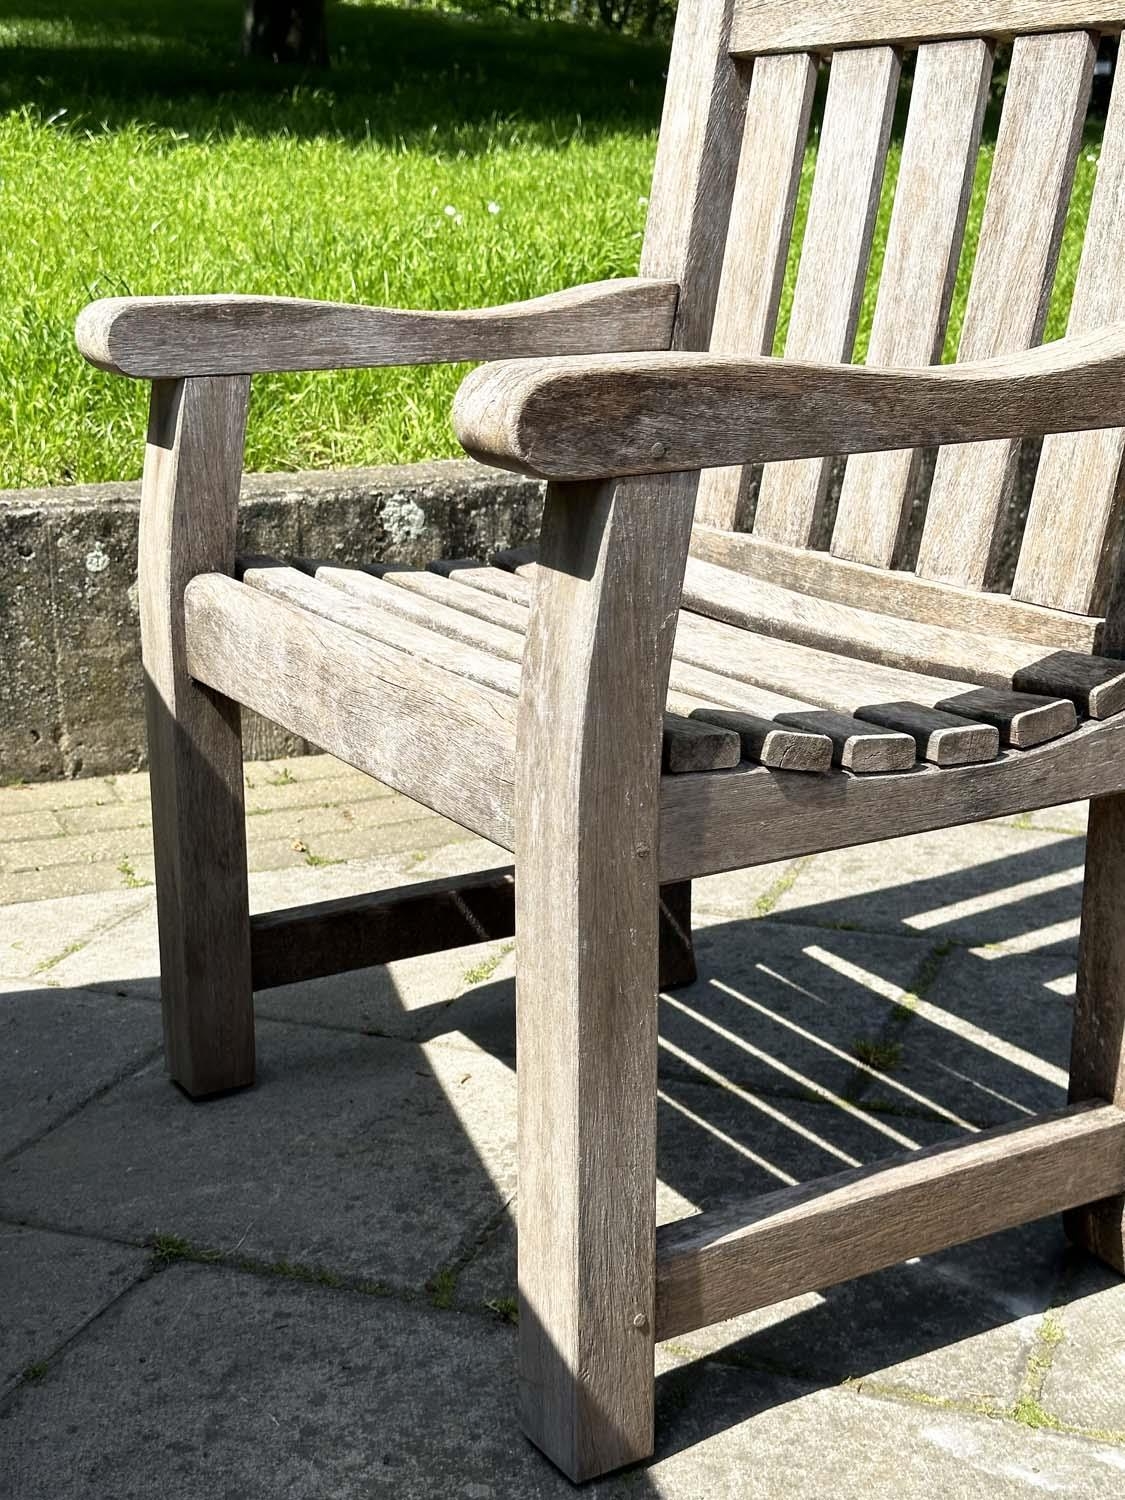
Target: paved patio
x=305, y=1290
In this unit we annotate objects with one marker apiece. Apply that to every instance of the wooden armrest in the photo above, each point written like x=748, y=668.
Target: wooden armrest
x=173, y=337
x=580, y=419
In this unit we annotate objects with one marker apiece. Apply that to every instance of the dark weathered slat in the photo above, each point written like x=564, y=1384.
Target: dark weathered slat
x=732, y=1260
x=357, y=932
x=733, y=819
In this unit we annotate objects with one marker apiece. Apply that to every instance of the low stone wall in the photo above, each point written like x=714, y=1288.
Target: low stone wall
x=71, y=700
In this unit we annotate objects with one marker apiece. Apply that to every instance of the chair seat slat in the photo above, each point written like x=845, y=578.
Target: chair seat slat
x=834, y=258
x=1028, y=192
x=935, y=182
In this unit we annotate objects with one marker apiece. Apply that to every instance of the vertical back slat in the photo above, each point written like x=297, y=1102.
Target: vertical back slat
x=1072, y=534
x=935, y=183
x=1028, y=194
x=761, y=226
x=834, y=259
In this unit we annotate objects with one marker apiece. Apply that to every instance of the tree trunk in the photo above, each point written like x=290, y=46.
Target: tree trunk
x=286, y=31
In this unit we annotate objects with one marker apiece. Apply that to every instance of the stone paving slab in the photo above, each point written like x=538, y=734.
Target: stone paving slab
x=54, y=1284
x=204, y=1381
x=988, y=883
x=848, y=1007
x=59, y=1049
x=362, y=1156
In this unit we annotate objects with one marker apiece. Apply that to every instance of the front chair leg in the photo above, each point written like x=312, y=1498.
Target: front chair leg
x=189, y=504
x=1097, y=1065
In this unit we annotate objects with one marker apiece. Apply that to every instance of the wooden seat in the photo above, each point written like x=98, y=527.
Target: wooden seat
x=657, y=693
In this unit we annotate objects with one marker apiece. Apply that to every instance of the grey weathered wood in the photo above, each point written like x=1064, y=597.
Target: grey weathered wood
x=935, y=181
x=1028, y=193
x=854, y=745
x=154, y=337
x=774, y=745
x=834, y=257
x=189, y=504
x=586, y=418
x=897, y=594
x=813, y=26
x=728, y=820
x=692, y=692
x=1096, y=685
x=1097, y=1059
x=761, y=225
x=731, y=1260
x=472, y=572
x=600, y=644
x=1072, y=538
x=297, y=943
x=458, y=643
x=443, y=740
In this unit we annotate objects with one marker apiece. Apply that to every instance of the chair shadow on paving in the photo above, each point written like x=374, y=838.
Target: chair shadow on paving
x=821, y=1034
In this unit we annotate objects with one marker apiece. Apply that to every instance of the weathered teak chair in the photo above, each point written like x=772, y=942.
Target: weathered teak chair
x=860, y=698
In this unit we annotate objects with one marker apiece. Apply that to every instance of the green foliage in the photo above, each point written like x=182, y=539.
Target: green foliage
x=444, y=160
x=440, y=163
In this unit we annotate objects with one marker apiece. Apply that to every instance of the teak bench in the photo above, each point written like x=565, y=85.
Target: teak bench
x=638, y=704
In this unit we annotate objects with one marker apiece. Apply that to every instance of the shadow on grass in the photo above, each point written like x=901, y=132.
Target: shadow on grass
x=421, y=79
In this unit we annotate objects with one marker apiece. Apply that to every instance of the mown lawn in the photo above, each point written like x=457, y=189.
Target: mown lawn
x=439, y=163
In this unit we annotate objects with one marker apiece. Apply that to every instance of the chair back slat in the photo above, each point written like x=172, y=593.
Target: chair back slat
x=761, y=227
x=1028, y=195
x=939, y=154
x=834, y=255
x=834, y=259
x=1071, y=540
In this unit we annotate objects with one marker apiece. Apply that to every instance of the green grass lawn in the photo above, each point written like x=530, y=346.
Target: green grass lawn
x=440, y=163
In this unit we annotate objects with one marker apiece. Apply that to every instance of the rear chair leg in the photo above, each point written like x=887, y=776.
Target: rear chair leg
x=189, y=504
x=1097, y=1065
x=677, y=949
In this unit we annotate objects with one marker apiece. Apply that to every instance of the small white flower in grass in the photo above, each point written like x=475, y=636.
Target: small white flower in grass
x=642, y=201
x=450, y=211
x=1090, y=156
x=494, y=208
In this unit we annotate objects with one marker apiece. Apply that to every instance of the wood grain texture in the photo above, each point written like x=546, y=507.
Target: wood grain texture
x=155, y=337
x=731, y=1260
x=1096, y=685
x=813, y=26
x=935, y=180
x=835, y=253
x=1097, y=1059
x=297, y=943
x=854, y=745
x=1025, y=211
x=1072, y=539
x=189, y=507
x=447, y=638
x=691, y=692
x=443, y=740
x=729, y=820
x=900, y=595
x=585, y=418
x=761, y=226
x=600, y=644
